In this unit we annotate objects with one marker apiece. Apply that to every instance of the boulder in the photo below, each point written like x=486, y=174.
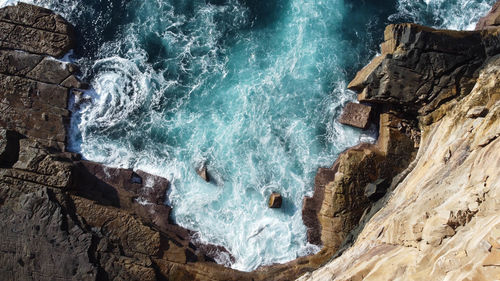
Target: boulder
x=377, y=189
x=203, y=173
x=275, y=200
x=356, y=115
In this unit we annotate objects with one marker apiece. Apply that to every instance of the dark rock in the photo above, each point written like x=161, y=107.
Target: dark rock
x=491, y=20
x=275, y=200
x=421, y=68
x=34, y=109
x=40, y=242
x=215, y=253
x=17, y=63
x=376, y=189
x=36, y=164
x=35, y=30
x=74, y=83
x=50, y=71
x=356, y=115
x=9, y=147
x=203, y=173
x=312, y=205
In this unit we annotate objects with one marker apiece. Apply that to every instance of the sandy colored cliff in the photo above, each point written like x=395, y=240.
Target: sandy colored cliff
x=441, y=219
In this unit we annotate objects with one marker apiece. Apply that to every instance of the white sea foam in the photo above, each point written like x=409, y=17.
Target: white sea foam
x=457, y=15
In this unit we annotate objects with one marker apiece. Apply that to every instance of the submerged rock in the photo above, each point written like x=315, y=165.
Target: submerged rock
x=275, y=200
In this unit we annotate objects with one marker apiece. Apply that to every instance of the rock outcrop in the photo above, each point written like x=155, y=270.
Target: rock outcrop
x=440, y=219
x=442, y=222
x=62, y=217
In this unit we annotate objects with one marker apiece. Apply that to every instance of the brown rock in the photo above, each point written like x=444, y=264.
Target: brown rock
x=491, y=20
x=36, y=30
x=356, y=115
x=24, y=103
x=275, y=200
x=36, y=17
x=17, y=63
x=477, y=111
x=41, y=242
x=50, y=71
x=203, y=173
x=73, y=82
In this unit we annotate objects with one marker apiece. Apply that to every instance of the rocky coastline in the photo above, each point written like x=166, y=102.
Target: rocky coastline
x=71, y=219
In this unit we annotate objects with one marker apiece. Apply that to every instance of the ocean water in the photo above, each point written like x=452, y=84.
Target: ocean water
x=250, y=89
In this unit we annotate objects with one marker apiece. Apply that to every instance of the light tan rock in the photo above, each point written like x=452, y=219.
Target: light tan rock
x=442, y=221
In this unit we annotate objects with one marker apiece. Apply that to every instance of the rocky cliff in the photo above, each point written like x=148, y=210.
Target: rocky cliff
x=434, y=94
x=440, y=219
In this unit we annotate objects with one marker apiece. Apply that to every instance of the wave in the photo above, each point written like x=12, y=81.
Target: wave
x=447, y=14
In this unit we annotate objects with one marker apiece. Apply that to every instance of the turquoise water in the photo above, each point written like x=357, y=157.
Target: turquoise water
x=251, y=89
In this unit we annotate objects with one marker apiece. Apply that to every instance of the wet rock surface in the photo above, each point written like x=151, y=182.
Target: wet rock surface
x=203, y=173
x=275, y=200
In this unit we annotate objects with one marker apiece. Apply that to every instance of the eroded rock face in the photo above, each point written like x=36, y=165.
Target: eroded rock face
x=41, y=242
x=438, y=91
x=339, y=198
x=442, y=221
x=421, y=68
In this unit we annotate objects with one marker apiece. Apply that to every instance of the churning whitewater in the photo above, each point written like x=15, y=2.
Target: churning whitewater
x=249, y=89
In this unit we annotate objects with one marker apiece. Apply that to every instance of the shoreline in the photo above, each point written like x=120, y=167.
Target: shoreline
x=102, y=203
